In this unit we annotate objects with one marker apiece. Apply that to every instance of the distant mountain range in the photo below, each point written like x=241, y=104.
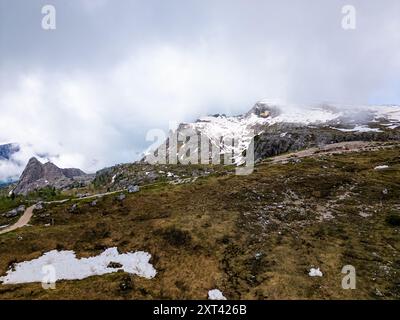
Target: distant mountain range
x=276, y=128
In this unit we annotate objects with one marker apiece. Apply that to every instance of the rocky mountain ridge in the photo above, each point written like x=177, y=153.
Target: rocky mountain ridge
x=278, y=128
x=275, y=129
x=37, y=175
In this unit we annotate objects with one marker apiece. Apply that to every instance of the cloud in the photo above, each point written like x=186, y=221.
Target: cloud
x=86, y=93
x=93, y=120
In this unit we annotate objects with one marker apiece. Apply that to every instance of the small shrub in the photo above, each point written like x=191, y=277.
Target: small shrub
x=393, y=220
x=176, y=237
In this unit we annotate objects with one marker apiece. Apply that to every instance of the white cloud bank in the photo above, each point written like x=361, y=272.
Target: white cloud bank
x=93, y=120
x=85, y=94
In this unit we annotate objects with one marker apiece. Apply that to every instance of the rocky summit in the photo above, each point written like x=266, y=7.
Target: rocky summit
x=37, y=175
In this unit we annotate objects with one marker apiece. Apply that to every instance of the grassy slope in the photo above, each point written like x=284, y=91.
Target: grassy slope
x=206, y=235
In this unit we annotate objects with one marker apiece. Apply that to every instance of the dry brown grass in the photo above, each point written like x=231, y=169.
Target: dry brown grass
x=206, y=235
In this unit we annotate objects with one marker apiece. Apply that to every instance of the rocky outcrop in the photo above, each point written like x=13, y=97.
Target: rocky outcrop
x=37, y=175
x=288, y=138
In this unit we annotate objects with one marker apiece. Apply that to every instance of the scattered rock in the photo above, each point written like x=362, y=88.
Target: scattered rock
x=39, y=206
x=365, y=214
x=114, y=265
x=126, y=284
x=11, y=214
x=83, y=195
x=21, y=209
x=121, y=197
x=258, y=255
x=383, y=167
x=215, y=294
x=133, y=189
x=73, y=208
x=378, y=293
x=93, y=203
x=315, y=272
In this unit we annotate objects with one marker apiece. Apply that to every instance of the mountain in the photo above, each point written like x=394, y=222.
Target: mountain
x=37, y=175
x=204, y=228
x=251, y=237
x=278, y=128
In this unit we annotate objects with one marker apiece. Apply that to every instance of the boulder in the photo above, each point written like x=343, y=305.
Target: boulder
x=133, y=189
x=39, y=206
x=114, y=265
x=11, y=214
x=121, y=197
x=73, y=208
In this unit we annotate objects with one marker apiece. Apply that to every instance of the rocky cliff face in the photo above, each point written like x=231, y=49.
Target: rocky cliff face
x=278, y=128
x=37, y=175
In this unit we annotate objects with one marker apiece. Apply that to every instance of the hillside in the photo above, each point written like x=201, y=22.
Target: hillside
x=252, y=237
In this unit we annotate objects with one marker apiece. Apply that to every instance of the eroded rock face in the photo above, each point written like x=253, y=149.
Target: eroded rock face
x=282, y=138
x=37, y=175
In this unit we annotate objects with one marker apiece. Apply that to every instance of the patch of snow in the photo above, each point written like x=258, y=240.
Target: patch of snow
x=68, y=267
x=113, y=178
x=383, y=167
x=362, y=128
x=237, y=129
x=390, y=125
x=4, y=226
x=215, y=294
x=305, y=116
x=391, y=113
x=315, y=272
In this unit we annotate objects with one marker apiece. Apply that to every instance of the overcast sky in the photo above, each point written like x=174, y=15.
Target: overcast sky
x=87, y=92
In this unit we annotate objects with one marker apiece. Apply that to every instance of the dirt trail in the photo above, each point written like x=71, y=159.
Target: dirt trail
x=333, y=148
x=22, y=221
x=26, y=217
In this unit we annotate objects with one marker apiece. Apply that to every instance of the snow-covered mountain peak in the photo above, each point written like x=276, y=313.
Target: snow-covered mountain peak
x=275, y=119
